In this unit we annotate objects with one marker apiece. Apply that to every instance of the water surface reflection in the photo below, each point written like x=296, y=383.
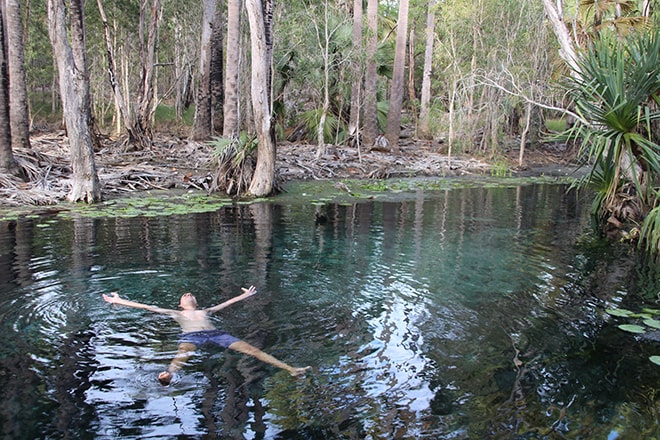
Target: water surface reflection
x=462, y=314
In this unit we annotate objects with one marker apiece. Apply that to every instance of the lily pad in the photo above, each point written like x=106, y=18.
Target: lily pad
x=632, y=328
x=655, y=359
x=618, y=312
x=641, y=315
x=652, y=323
x=651, y=311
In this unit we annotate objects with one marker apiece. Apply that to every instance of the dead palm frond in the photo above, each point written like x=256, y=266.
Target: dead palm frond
x=234, y=164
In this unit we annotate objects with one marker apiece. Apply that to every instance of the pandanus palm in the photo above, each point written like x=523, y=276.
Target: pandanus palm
x=616, y=95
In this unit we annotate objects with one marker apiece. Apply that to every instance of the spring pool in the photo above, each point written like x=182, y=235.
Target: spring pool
x=471, y=313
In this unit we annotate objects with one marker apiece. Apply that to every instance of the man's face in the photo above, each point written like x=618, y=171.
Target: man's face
x=188, y=300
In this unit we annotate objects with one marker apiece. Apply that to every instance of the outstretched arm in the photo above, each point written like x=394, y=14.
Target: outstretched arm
x=114, y=298
x=246, y=294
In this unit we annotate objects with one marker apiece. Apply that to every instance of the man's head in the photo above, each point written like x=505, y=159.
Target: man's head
x=165, y=378
x=188, y=301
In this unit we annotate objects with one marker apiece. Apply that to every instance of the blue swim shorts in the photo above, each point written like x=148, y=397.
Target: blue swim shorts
x=200, y=338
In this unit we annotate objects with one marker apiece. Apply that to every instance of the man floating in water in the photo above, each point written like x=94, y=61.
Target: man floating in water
x=198, y=330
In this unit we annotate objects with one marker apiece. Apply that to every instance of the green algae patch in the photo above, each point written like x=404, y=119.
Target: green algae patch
x=150, y=205
x=353, y=191
x=147, y=204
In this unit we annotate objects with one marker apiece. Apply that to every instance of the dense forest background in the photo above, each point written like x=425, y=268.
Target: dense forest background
x=475, y=45
x=483, y=77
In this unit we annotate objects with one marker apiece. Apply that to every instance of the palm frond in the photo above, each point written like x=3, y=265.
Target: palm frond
x=234, y=164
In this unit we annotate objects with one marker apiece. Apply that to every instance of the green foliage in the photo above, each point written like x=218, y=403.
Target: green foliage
x=651, y=231
x=165, y=113
x=614, y=95
x=556, y=125
x=500, y=168
x=381, y=112
x=311, y=120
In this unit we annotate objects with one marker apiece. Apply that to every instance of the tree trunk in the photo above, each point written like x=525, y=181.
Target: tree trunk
x=423, y=127
x=19, y=114
x=566, y=45
x=356, y=87
x=523, y=137
x=396, y=96
x=74, y=90
x=260, y=16
x=217, y=71
x=142, y=128
x=7, y=162
x=126, y=112
x=230, y=105
x=183, y=72
x=412, y=96
x=202, y=126
x=646, y=8
x=324, y=47
x=371, y=77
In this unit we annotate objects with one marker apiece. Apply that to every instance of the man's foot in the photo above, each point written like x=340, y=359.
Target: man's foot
x=299, y=371
x=165, y=377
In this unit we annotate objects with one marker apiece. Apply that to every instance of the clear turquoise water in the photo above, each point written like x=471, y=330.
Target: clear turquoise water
x=473, y=313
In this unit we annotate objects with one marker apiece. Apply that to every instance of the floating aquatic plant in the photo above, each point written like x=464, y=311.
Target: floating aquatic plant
x=646, y=317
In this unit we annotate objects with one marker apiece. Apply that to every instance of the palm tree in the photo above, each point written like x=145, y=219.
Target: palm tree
x=616, y=96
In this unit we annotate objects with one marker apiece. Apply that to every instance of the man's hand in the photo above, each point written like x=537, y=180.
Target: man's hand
x=249, y=292
x=112, y=299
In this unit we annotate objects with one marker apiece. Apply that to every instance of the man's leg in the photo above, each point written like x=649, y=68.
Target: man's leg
x=244, y=347
x=183, y=354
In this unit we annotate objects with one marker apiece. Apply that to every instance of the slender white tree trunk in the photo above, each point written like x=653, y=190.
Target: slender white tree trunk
x=120, y=103
x=396, y=97
x=423, y=127
x=231, y=109
x=356, y=87
x=260, y=18
x=74, y=89
x=371, y=76
x=7, y=162
x=566, y=45
x=147, y=98
x=19, y=115
x=324, y=46
x=202, y=124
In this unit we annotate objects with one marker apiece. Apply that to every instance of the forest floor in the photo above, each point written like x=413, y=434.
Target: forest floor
x=177, y=163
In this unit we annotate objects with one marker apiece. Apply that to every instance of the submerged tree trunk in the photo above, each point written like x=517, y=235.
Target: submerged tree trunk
x=396, y=97
x=74, y=89
x=423, y=127
x=260, y=15
x=19, y=114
